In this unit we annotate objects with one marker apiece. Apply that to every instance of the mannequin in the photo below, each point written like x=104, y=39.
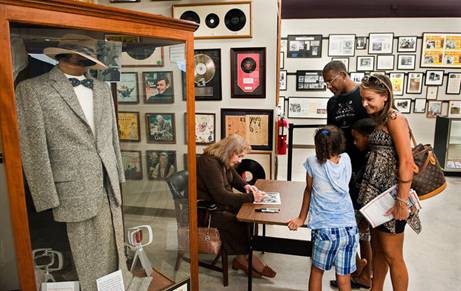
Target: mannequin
x=71, y=157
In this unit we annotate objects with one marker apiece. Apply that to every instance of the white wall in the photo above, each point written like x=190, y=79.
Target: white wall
x=423, y=127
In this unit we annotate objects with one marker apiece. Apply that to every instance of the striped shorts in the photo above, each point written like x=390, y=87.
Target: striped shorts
x=335, y=246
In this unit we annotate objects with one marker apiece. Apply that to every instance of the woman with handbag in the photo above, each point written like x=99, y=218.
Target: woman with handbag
x=216, y=179
x=390, y=162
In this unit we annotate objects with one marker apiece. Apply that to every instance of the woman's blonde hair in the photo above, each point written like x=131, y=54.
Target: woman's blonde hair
x=382, y=85
x=226, y=148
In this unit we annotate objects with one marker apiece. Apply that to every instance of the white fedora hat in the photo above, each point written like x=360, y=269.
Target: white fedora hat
x=79, y=44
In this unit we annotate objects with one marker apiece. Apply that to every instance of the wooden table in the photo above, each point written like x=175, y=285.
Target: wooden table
x=291, y=195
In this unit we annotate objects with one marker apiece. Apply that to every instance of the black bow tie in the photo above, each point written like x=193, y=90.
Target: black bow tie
x=85, y=82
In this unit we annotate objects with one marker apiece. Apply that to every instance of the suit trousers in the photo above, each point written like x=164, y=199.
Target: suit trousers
x=97, y=244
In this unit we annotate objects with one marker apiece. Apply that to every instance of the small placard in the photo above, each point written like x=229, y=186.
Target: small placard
x=111, y=282
x=61, y=286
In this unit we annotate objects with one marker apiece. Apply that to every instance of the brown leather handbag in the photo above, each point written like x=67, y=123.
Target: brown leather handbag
x=209, y=241
x=428, y=177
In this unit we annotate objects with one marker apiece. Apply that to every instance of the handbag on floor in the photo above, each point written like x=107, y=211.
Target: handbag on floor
x=209, y=241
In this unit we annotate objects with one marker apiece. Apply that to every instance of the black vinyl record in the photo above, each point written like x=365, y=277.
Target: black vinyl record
x=212, y=20
x=191, y=16
x=248, y=65
x=251, y=170
x=235, y=19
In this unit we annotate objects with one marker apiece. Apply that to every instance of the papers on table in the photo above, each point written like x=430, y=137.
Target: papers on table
x=270, y=198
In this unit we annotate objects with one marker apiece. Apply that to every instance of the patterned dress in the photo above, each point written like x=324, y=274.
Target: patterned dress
x=381, y=173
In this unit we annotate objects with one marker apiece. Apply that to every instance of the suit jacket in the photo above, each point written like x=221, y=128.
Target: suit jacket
x=64, y=162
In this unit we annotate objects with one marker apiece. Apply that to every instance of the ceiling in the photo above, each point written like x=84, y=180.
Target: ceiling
x=369, y=8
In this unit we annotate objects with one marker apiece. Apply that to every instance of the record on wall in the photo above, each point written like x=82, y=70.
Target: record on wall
x=235, y=19
x=250, y=170
x=191, y=16
x=207, y=74
x=212, y=20
x=248, y=72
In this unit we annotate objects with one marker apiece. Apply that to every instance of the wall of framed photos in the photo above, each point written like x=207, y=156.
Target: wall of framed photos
x=227, y=53
x=426, y=76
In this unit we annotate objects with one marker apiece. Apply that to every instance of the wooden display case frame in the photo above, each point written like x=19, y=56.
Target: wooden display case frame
x=92, y=17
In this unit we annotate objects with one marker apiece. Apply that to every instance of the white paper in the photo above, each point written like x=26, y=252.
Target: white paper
x=270, y=198
x=61, y=286
x=111, y=282
x=375, y=210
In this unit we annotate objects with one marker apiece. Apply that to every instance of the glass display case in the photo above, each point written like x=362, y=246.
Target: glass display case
x=93, y=124
x=447, y=144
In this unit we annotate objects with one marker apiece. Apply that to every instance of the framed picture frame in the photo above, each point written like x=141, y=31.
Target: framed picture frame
x=160, y=164
x=132, y=164
x=161, y=128
x=406, y=43
x=341, y=45
x=283, y=80
x=283, y=44
x=415, y=83
x=205, y=128
x=146, y=56
x=444, y=109
x=315, y=108
x=282, y=59
x=357, y=77
x=304, y=46
x=128, y=88
x=248, y=72
x=365, y=63
x=406, y=62
x=420, y=106
x=432, y=92
x=158, y=87
x=454, y=109
x=398, y=83
x=128, y=126
x=434, y=109
x=310, y=81
x=280, y=109
x=434, y=77
x=453, y=84
x=264, y=159
x=380, y=43
x=361, y=43
x=384, y=62
x=207, y=80
x=403, y=105
x=441, y=50
x=255, y=125
x=345, y=61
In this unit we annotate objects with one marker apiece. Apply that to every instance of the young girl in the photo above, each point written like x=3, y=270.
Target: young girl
x=331, y=214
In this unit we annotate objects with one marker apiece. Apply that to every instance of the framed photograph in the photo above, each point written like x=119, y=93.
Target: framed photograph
x=158, y=87
x=432, y=92
x=398, y=82
x=345, y=61
x=434, y=78
x=207, y=78
x=205, y=128
x=341, y=45
x=415, y=83
x=361, y=43
x=357, y=77
x=307, y=107
x=310, y=81
x=454, y=109
x=385, y=62
x=160, y=164
x=453, y=84
x=255, y=125
x=264, y=159
x=137, y=55
x=248, y=72
x=282, y=60
x=434, y=109
x=442, y=50
x=283, y=80
x=365, y=63
x=380, y=43
x=280, y=109
x=444, y=109
x=304, y=46
x=127, y=88
x=406, y=62
x=128, y=126
x=420, y=106
x=132, y=165
x=160, y=128
x=403, y=105
x=406, y=44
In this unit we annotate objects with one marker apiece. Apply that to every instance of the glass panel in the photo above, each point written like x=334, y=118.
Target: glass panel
x=74, y=155
x=454, y=146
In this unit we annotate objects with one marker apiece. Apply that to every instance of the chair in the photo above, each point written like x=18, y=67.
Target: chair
x=178, y=184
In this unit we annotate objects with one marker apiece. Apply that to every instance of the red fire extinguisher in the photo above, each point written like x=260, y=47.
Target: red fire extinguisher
x=282, y=131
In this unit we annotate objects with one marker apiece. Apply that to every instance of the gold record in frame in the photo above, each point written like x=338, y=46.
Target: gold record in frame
x=204, y=69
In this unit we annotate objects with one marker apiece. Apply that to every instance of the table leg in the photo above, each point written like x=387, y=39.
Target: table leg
x=250, y=259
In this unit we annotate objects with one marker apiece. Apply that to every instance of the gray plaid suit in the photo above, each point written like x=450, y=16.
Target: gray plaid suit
x=73, y=171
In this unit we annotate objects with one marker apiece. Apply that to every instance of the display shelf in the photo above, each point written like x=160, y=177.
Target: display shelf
x=447, y=144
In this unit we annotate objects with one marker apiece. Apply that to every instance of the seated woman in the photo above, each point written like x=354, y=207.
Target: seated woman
x=216, y=178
